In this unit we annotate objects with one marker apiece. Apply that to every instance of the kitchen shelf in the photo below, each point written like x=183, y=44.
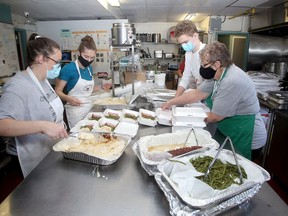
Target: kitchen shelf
x=175, y=59
x=153, y=43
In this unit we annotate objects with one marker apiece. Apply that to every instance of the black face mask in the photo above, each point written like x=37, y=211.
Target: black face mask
x=84, y=62
x=207, y=73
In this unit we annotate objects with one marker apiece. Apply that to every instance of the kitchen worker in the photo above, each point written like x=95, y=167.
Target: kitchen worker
x=187, y=35
x=77, y=77
x=31, y=113
x=181, y=67
x=231, y=96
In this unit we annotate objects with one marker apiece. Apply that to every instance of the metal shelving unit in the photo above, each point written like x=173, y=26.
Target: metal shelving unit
x=112, y=65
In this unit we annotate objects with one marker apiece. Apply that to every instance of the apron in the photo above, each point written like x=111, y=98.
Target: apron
x=239, y=128
x=32, y=151
x=82, y=90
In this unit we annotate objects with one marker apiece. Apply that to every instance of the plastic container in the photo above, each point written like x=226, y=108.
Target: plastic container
x=159, y=79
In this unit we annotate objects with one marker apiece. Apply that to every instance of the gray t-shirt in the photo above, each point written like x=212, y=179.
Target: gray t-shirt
x=236, y=95
x=22, y=100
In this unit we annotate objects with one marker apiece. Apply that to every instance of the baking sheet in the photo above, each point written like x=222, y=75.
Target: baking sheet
x=198, y=194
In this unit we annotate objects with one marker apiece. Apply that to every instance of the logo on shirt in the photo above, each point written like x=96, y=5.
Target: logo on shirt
x=87, y=88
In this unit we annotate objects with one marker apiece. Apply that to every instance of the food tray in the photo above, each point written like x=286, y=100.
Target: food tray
x=164, y=116
x=178, y=207
x=193, y=191
x=116, y=103
x=184, y=121
x=150, y=169
x=77, y=127
x=146, y=121
x=83, y=157
x=132, y=113
x=203, y=137
x=125, y=128
x=86, y=158
x=90, y=114
x=195, y=112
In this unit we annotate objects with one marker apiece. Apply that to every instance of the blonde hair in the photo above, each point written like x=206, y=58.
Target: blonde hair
x=186, y=27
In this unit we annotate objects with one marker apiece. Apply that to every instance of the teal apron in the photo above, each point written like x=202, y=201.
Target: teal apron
x=239, y=128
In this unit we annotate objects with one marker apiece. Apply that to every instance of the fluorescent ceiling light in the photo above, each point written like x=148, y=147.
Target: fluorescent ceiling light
x=114, y=3
x=190, y=16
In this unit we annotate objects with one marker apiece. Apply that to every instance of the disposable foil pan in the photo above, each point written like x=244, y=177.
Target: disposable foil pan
x=79, y=156
x=179, y=208
x=165, y=167
x=86, y=158
x=150, y=169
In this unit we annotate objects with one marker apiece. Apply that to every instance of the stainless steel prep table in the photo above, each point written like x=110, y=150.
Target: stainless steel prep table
x=61, y=187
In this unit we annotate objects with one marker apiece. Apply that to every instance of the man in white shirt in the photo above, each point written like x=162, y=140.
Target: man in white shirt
x=187, y=35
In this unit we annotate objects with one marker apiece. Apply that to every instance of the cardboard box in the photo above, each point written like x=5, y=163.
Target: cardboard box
x=138, y=76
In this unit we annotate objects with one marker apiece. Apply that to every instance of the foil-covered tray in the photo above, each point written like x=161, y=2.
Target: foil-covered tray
x=150, y=169
x=185, y=138
x=87, y=157
x=198, y=194
x=180, y=208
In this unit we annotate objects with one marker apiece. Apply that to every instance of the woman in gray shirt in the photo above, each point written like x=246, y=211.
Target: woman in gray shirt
x=231, y=96
x=31, y=113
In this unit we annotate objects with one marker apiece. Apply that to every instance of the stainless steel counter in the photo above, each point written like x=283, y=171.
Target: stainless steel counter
x=63, y=187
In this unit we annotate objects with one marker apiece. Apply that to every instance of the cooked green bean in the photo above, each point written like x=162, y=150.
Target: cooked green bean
x=221, y=175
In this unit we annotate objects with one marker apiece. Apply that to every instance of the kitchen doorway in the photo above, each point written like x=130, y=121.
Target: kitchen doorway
x=238, y=45
x=21, y=38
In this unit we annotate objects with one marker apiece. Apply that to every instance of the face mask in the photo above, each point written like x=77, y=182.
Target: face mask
x=189, y=46
x=84, y=62
x=207, y=73
x=54, y=72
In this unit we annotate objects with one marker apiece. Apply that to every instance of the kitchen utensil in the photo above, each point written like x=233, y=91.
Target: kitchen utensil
x=188, y=136
x=234, y=155
x=195, y=136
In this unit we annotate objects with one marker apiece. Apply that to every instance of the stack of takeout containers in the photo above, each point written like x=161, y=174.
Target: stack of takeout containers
x=188, y=117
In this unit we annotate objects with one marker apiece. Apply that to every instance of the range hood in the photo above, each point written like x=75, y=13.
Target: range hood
x=272, y=21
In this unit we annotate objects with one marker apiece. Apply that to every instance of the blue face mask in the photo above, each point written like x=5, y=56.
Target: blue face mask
x=189, y=46
x=54, y=72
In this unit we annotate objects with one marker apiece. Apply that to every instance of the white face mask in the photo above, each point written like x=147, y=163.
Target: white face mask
x=54, y=72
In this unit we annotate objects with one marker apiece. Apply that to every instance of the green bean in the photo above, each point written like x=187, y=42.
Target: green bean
x=221, y=176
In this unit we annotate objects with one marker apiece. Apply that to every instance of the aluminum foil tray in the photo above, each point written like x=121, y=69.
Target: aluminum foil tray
x=86, y=158
x=197, y=198
x=83, y=157
x=180, y=208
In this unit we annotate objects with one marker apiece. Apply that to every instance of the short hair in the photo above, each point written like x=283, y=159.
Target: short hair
x=186, y=27
x=87, y=42
x=216, y=51
x=38, y=45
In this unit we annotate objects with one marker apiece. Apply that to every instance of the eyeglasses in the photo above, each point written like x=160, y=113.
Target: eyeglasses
x=56, y=62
